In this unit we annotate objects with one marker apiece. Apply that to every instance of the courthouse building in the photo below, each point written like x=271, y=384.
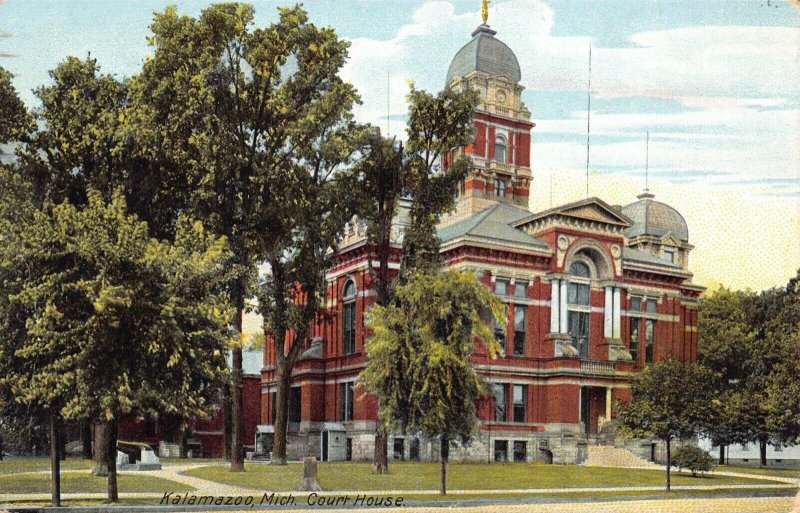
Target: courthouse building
x=595, y=292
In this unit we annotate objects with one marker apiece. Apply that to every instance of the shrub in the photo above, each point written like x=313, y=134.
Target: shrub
x=692, y=458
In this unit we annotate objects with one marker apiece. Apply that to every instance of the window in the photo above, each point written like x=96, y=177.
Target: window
x=578, y=307
x=520, y=450
x=519, y=330
x=651, y=306
x=346, y=401
x=519, y=402
x=349, y=318
x=499, y=390
x=649, y=339
x=635, y=328
x=294, y=404
x=500, y=336
x=500, y=148
x=636, y=304
x=462, y=187
x=501, y=287
x=520, y=290
x=501, y=450
x=499, y=187
x=670, y=254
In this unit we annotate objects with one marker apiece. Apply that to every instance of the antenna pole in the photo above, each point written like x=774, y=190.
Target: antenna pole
x=647, y=163
x=551, y=187
x=388, y=109
x=588, y=118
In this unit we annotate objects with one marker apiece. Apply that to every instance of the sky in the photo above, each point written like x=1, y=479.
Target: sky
x=715, y=83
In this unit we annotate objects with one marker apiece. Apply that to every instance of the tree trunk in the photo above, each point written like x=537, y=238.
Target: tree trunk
x=227, y=421
x=444, y=451
x=380, y=457
x=721, y=454
x=281, y=414
x=1, y=447
x=669, y=463
x=183, y=451
x=55, y=461
x=762, y=451
x=237, y=413
x=111, y=452
x=101, y=434
x=86, y=439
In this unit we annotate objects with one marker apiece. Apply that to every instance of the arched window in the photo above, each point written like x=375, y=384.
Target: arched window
x=500, y=148
x=578, y=307
x=349, y=317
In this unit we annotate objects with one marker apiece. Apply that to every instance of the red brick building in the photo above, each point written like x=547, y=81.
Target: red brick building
x=594, y=293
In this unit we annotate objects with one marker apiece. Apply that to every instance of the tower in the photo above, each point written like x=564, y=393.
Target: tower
x=500, y=153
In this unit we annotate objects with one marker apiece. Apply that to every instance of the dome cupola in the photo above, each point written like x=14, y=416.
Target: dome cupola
x=484, y=53
x=654, y=218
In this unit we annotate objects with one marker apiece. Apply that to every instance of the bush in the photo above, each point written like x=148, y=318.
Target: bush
x=692, y=458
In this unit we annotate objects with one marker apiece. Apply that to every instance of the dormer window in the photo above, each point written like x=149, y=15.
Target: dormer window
x=670, y=254
x=500, y=148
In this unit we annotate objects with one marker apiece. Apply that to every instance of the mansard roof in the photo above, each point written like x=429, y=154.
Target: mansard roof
x=493, y=225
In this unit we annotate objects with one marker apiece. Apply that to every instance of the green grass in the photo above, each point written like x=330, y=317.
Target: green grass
x=421, y=476
x=83, y=482
x=37, y=464
x=779, y=472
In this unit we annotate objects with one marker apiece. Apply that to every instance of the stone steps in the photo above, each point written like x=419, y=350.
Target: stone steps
x=612, y=456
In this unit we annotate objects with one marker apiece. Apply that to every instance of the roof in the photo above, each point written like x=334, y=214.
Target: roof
x=635, y=255
x=655, y=218
x=484, y=53
x=493, y=225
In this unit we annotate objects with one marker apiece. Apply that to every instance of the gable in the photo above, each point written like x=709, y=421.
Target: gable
x=590, y=209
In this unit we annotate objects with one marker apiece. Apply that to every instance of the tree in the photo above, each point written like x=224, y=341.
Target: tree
x=114, y=322
x=418, y=356
x=15, y=122
x=670, y=402
x=438, y=124
x=241, y=112
x=749, y=341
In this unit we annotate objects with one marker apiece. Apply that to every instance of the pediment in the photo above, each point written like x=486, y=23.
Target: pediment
x=590, y=209
x=670, y=240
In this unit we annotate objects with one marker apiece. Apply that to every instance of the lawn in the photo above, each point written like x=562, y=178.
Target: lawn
x=83, y=482
x=421, y=476
x=778, y=472
x=36, y=464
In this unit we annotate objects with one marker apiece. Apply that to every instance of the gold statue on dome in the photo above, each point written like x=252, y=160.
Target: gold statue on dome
x=485, y=10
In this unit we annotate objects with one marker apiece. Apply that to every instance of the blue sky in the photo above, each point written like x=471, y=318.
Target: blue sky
x=713, y=81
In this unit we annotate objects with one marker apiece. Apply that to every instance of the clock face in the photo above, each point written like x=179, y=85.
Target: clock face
x=500, y=95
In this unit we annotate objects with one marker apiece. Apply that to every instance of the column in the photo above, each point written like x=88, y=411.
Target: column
x=555, y=305
x=608, y=404
x=608, y=313
x=617, y=319
x=563, y=314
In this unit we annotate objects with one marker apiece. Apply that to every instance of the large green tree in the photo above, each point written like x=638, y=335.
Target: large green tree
x=670, y=402
x=418, y=356
x=101, y=320
x=418, y=173
x=749, y=341
x=247, y=117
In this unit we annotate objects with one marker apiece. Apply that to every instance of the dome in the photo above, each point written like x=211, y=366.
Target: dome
x=484, y=53
x=654, y=218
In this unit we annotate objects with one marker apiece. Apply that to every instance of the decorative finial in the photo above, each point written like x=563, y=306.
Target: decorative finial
x=485, y=10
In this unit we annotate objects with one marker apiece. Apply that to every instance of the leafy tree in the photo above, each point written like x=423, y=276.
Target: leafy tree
x=388, y=172
x=670, y=402
x=114, y=322
x=15, y=122
x=749, y=342
x=418, y=356
x=692, y=458
x=437, y=125
x=250, y=117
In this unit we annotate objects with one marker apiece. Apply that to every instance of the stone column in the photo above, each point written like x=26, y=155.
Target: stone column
x=608, y=404
x=608, y=313
x=616, y=321
x=555, y=306
x=563, y=307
